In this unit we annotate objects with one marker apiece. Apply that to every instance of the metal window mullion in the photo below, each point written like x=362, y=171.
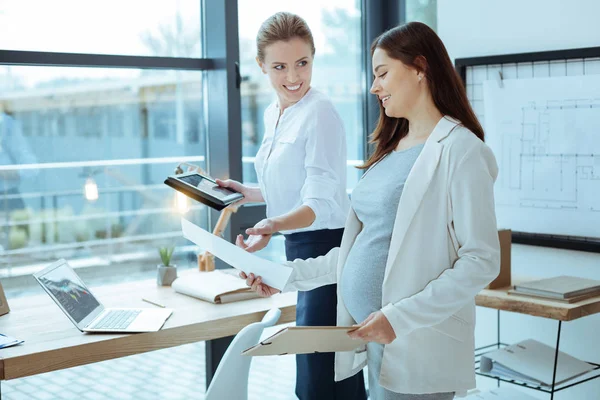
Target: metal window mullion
x=377, y=17
x=224, y=127
x=38, y=58
x=224, y=131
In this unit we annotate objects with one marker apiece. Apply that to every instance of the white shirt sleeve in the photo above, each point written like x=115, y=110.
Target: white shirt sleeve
x=313, y=273
x=325, y=155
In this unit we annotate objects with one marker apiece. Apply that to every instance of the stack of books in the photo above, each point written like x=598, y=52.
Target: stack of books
x=567, y=289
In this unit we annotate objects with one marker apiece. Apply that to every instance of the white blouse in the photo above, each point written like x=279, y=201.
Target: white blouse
x=302, y=161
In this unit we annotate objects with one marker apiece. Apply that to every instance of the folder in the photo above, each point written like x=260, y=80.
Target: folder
x=307, y=340
x=501, y=393
x=532, y=362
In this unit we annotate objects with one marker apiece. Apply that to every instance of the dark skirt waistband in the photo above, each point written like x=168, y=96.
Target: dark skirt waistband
x=322, y=235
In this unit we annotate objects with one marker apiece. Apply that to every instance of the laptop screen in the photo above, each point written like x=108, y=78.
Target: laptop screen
x=70, y=291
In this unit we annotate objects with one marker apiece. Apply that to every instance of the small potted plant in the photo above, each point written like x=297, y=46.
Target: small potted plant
x=167, y=273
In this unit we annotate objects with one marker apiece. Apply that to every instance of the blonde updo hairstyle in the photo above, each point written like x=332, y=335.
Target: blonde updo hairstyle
x=282, y=26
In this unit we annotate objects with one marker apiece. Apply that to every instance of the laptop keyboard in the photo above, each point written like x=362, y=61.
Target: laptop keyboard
x=116, y=319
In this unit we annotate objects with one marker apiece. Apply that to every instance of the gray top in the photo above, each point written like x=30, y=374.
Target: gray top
x=375, y=202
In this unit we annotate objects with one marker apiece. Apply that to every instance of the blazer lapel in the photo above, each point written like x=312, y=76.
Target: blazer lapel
x=416, y=185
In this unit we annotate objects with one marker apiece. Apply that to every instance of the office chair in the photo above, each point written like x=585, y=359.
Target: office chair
x=231, y=378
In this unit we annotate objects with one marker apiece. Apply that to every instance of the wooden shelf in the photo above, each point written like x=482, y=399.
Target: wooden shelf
x=499, y=299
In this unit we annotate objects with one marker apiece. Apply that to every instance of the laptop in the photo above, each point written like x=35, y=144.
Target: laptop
x=73, y=297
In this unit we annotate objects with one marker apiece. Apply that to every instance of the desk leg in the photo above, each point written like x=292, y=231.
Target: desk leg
x=555, y=360
x=498, y=327
x=215, y=349
x=498, y=342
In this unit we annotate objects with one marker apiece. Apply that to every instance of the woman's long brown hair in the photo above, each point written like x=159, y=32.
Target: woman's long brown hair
x=414, y=43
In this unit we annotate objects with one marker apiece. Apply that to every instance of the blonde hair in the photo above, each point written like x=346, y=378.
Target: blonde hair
x=282, y=26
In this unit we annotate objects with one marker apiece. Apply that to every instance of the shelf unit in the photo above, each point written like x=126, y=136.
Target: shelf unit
x=500, y=300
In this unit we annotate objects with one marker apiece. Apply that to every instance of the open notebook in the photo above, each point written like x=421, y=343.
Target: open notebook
x=219, y=286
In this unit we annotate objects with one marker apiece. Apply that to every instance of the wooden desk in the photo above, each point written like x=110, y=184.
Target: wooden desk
x=500, y=300
x=52, y=342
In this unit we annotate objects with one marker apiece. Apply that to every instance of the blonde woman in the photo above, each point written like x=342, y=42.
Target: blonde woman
x=301, y=170
x=421, y=239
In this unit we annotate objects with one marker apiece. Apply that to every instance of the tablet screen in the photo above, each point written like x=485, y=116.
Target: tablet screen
x=206, y=185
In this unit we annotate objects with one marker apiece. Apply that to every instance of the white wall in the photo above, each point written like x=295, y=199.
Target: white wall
x=472, y=28
x=484, y=27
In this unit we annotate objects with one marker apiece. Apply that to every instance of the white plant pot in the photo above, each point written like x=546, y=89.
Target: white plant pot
x=166, y=275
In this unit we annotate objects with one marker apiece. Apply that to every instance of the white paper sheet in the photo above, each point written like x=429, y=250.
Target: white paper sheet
x=273, y=274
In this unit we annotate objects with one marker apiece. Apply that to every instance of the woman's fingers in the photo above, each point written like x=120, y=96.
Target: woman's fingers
x=369, y=318
x=265, y=292
x=255, y=285
x=251, y=247
x=256, y=243
x=239, y=242
x=257, y=231
x=363, y=332
x=224, y=183
x=355, y=334
x=231, y=184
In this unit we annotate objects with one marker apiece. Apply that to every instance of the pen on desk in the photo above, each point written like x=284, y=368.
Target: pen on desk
x=151, y=302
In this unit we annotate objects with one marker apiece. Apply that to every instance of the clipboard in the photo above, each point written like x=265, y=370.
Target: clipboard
x=306, y=340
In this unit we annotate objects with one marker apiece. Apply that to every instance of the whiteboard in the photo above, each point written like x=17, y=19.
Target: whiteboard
x=542, y=121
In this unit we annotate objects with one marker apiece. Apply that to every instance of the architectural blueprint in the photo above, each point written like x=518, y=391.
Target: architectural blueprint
x=545, y=134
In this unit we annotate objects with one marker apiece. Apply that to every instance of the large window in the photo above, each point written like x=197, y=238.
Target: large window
x=132, y=27
x=423, y=11
x=84, y=151
x=85, y=159
x=336, y=28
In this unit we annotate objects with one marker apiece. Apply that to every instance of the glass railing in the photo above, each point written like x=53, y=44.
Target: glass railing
x=110, y=211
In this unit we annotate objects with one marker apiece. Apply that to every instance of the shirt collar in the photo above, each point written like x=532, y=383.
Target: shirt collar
x=302, y=100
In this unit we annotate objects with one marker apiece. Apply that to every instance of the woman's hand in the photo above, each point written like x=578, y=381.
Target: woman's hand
x=265, y=227
x=253, y=243
x=251, y=195
x=376, y=328
x=259, y=236
x=257, y=286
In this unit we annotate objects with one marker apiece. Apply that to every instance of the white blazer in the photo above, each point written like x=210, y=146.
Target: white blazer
x=444, y=250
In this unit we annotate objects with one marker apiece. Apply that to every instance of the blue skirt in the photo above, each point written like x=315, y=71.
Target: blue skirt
x=315, y=372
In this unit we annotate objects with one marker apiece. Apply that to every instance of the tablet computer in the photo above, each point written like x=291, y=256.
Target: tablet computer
x=203, y=189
